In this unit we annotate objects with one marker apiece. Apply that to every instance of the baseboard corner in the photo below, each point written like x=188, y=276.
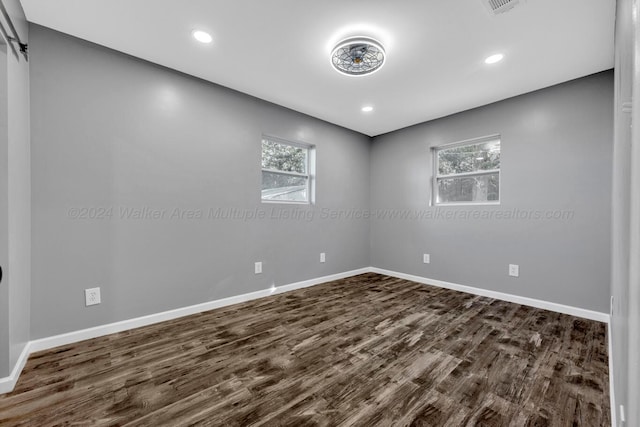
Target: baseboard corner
x=7, y=384
x=531, y=302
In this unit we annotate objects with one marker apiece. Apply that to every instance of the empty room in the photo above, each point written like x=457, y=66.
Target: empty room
x=330, y=213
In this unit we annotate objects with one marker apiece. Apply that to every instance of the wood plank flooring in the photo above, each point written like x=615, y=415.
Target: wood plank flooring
x=364, y=351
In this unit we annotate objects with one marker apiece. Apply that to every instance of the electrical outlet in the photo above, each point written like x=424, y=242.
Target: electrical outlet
x=514, y=270
x=258, y=267
x=622, y=414
x=92, y=296
x=323, y=257
x=426, y=258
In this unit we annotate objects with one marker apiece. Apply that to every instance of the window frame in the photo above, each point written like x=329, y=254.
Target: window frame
x=310, y=168
x=435, y=177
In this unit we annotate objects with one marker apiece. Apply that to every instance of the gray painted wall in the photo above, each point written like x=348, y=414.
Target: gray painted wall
x=4, y=214
x=111, y=131
x=621, y=195
x=19, y=271
x=15, y=197
x=626, y=211
x=556, y=156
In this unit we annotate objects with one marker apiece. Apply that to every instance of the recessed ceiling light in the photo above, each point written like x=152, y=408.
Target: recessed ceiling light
x=202, y=36
x=367, y=109
x=358, y=56
x=494, y=58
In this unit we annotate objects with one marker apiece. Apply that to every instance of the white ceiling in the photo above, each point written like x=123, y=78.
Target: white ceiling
x=278, y=50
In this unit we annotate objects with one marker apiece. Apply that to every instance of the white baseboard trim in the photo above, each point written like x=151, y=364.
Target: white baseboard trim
x=612, y=389
x=546, y=305
x=7, y=384
x=112, y=328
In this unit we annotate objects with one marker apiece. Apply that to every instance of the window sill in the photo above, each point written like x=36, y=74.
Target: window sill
x=284, y=202
x=467, y=204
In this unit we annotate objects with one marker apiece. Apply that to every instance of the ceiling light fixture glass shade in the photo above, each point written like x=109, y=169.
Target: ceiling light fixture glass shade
x=494, y=58
x=358, y=56
x=202, y=36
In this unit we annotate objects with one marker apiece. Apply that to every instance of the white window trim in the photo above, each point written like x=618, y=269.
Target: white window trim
x=310, y=175
x=435, y=176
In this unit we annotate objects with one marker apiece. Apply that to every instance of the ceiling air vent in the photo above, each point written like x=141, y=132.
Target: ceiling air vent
x=500, y=6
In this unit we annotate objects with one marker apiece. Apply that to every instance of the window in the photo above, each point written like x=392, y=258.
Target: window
x=286, y=173
x=467, y=172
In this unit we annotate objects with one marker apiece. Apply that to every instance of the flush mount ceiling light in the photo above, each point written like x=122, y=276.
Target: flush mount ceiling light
x=358, y=56
x=367, y=109
x=494, y=58
x=202, y=36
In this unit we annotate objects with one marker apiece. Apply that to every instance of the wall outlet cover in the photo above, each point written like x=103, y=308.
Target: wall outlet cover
x=258, y=267
x=426, y=258
x=92, y=296
x=514, y=270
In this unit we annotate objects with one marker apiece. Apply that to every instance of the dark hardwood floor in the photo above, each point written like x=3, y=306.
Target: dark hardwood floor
x=368, y=350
